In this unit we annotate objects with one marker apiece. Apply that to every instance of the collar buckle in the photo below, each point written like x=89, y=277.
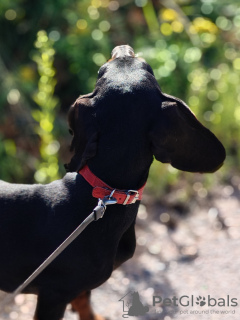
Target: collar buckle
x=129, y=193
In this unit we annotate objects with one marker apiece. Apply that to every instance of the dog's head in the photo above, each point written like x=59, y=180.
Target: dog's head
x=126, y=87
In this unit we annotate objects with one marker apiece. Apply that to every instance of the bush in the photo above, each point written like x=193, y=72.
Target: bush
x=192, y=47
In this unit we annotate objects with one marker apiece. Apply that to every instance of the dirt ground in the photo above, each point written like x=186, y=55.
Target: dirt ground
x=186, y=255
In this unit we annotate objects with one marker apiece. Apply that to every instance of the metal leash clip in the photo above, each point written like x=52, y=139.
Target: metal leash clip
x=100, y=209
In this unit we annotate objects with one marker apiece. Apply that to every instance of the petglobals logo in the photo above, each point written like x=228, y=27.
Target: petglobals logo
x=191, y=301
x=133, y=305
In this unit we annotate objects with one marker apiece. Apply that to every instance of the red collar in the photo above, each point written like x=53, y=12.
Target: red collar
x=101, y=189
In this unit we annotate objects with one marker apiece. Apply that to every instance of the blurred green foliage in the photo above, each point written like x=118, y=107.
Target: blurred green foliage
x=44, y=97
x=50, y=52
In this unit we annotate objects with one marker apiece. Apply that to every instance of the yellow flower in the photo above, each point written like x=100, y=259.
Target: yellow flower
x=169, y=14
x=201, y=24
x=177, y=26
x=166, y=29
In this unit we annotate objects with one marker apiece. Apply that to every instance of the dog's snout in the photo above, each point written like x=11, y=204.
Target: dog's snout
x=122, y=51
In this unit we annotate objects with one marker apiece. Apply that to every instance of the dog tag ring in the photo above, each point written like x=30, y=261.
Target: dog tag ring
x=109, y=199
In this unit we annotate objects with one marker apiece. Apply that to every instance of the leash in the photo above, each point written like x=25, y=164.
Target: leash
x=97, y=213
x=101, y=191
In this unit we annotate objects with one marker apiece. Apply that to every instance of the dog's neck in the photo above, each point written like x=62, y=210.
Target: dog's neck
x=124, y=154
x=125, y=169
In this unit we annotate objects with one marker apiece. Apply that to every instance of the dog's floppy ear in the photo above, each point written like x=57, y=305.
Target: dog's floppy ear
x=180, y=139
x=81, y=119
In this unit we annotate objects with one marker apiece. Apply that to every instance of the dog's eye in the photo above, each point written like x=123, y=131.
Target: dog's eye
x=70, y=131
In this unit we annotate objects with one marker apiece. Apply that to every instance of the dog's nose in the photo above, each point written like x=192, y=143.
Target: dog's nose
x=122, y=51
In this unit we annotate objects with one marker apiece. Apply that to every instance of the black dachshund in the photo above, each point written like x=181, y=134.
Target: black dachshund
x=117, y=129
